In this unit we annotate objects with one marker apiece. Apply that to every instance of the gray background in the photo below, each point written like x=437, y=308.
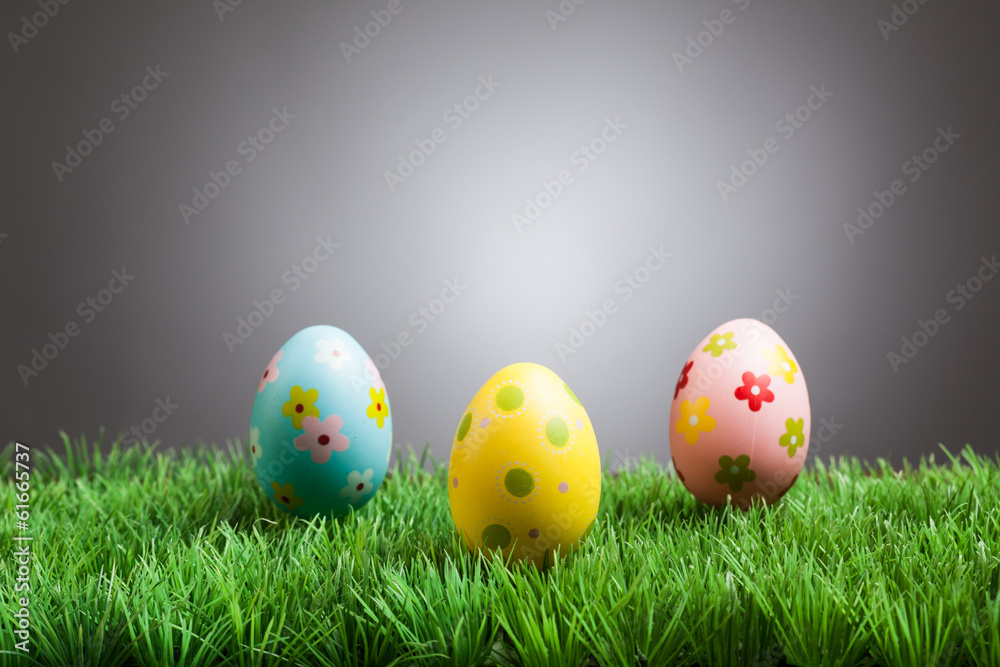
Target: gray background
x=324, y=176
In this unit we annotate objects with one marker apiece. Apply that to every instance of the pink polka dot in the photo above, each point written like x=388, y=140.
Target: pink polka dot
x=579, y=424
x=484, y=423
x=454, y=482
x=563, y=487
x=533, y=532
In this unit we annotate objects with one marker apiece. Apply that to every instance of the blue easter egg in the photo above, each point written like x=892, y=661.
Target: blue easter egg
x=321, y=428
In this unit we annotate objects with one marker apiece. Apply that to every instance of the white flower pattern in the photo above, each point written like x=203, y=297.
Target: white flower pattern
x=332, y=352
x=270, y=373
x=358, y=484
x=255, y=451
x=376, y=376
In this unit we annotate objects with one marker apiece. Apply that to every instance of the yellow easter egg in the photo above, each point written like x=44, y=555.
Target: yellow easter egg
x=524, y=475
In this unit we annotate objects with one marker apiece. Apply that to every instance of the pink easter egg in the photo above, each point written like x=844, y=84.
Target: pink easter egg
x=739, y=421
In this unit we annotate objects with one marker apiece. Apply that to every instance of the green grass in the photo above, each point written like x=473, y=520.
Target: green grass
x=150, y=558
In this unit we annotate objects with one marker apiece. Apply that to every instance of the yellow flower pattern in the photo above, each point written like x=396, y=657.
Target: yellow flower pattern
x=780, y=364
x=284, y=494
x=379, y=409
x=694, y=420
x=300, y=405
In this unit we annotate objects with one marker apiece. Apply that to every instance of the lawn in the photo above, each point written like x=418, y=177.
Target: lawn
x=151, y=558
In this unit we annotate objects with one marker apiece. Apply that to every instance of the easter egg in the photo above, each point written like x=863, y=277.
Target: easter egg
x=321, y=428
x=524, y=476
x=739, y=420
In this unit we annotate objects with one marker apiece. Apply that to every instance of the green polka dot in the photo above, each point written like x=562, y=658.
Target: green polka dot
x=463, y=428
x=519, y=482
x=496, y=536
x=557, y=432
x=572, y=395
x=510, y=398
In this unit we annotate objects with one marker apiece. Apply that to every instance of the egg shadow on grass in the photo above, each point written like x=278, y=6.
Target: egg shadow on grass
x=669, y=501
x=662, y=498
x=257, y=511
x=707, y=517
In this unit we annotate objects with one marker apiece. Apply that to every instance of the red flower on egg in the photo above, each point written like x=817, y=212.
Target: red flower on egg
x=682, y=381
x=754, y=390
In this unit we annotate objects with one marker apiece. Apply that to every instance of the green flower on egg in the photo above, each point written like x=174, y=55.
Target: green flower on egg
x=735, y=472
x=719, y=344
x=794, y=438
